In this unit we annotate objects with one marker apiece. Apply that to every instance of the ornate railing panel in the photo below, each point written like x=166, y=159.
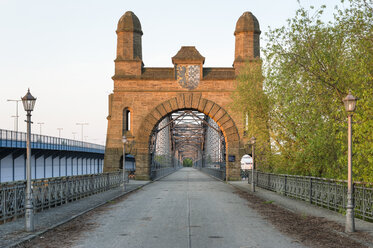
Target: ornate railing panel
x=328, y=193
x=51, y=192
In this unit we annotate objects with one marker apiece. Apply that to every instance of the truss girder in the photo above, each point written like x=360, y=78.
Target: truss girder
x=187, y=134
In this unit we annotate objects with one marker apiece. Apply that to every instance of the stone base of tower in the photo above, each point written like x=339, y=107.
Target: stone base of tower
x=234, y=174
x=112, y=159
x=142, y=166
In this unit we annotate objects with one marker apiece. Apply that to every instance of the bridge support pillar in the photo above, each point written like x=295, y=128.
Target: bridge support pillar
x=142, y=163
x=112, y=158
x=233, y=170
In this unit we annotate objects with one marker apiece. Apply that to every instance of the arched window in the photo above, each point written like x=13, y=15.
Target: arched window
x=126, y=120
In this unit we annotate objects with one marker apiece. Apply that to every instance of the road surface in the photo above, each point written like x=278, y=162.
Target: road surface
x=185, y=209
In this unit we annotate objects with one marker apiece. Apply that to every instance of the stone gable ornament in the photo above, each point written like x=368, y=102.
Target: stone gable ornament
x=188, y=76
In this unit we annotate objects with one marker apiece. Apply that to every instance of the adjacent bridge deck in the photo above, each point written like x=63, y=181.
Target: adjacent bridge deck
x=51, y=156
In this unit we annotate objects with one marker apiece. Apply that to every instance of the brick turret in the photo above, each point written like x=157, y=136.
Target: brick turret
x=247, y=34
x=129, y=49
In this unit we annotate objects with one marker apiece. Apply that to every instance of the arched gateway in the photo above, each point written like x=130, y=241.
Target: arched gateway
x=143, y=96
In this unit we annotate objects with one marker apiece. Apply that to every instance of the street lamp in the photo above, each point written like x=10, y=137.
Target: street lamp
x=124, y=140
x=59, y=131
x=253, y=141
x=40, y=123
x=82, y=124
x=350, y=105
x=28, y=103
x=15, y=116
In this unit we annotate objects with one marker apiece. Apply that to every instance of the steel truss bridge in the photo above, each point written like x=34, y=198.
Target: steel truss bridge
x=187, y=134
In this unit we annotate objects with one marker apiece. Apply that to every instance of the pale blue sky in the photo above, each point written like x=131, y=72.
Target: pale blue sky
x=64, y=50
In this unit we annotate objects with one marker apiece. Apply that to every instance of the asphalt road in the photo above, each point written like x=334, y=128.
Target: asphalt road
x=186, y=209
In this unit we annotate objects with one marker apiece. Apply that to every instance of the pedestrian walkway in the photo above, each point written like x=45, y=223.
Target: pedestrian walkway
x=303, y=207
x=185, y=209
x=14, y=232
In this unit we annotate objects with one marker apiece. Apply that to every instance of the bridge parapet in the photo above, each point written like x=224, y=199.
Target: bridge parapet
x=50, y=156
x=52, y=192
x=12, y=139
x=324, y=192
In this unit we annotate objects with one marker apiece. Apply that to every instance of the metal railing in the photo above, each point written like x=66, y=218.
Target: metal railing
x=52, y=192
x=12, y=139
x=155, y=174
x=215, y=169
x=327, y=193
x=163, y=167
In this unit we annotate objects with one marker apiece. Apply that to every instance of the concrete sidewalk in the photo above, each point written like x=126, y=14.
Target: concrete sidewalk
x=303, y=207
x=14, y=232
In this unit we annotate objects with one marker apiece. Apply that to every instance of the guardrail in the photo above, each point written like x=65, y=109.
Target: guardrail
x=155, y=174
x=164, y=166
x=214, y=172
x=12, y=139
x=52, y=192
x=215, y=169
x=328, y=193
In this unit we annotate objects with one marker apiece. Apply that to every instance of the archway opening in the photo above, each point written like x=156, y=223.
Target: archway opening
x=187, y=136
x=187, y=162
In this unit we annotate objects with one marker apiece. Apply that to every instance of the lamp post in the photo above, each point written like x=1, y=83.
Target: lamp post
x=82, y=124
x=40, y=123
x=28, y=103
x=350, y=105
x=15, y=116
x=124, y=140
x=253, y=140
x=59, y=131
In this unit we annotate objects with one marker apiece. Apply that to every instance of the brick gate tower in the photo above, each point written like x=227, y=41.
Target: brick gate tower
x=142, y=95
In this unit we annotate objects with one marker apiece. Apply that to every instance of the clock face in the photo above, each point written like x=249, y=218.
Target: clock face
x=188, y=76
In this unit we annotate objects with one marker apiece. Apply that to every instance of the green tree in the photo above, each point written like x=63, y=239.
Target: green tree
x=250, y=100
x=309, y=67
x=188, y=162
x=161, y=159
